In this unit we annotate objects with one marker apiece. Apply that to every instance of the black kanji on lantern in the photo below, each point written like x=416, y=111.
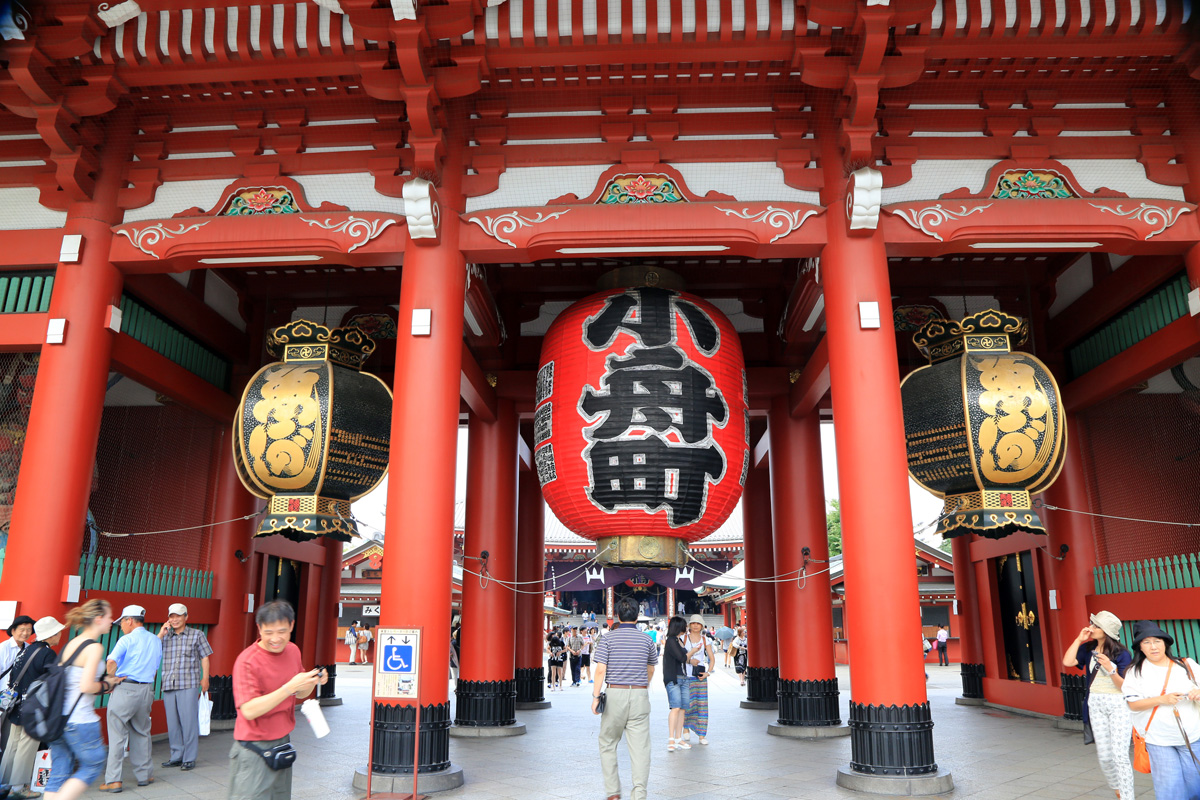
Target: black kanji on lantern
x=649, y=316
x=647, y=394
x=651, y=473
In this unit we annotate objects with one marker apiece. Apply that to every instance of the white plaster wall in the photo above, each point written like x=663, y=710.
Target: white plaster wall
x=1124, y=175
x=931, y=178
x=175, y=196
x=21, y=211
x=747, y=181
x=536, y=186
x=1072, y=284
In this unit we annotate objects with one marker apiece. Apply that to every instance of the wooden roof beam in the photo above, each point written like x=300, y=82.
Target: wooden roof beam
x=1111, y=295
x=813, y=383
x=474, y=388
x=167, y=297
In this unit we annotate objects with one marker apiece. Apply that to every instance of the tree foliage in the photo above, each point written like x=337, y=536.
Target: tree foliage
x=833, y=524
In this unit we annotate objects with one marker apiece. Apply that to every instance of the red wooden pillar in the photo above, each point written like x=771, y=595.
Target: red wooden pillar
x=327, y=619
x=891, y=727
x=531, y=600
x=808, y=688
x=486, y=692
x=418, y=539
x=969, y=641
x=230, y=577
x=1072, y=547
x=762, y=679
x=55, y=480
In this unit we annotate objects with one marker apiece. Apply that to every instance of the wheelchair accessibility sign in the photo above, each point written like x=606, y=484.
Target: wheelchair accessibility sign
x=397, y=662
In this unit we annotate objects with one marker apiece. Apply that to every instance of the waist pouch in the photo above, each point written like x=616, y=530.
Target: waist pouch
x=281, y=756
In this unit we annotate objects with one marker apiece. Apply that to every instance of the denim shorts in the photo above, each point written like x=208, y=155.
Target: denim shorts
x=678, y=694
x=78, y=753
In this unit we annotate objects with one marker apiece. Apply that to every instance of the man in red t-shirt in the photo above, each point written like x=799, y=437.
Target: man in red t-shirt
x=267, y=678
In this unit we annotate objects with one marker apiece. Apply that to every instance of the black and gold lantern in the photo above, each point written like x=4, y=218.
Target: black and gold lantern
x=313, y=431
x=985, y=427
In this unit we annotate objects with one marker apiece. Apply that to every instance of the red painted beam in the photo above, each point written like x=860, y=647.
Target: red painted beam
x=1159, y=351
x=1147, y=605
x=1110, y=296
x=807, y=392
x=20, y=332
x=135, y=360
x=478, y=394
x=168, y=297
x=31, y=249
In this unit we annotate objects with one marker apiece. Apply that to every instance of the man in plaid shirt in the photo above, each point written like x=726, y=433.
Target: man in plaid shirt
x=185, y=678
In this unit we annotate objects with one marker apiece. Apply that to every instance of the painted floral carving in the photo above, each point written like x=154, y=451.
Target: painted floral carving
x=1031, y=184
x=927, y=218
x=263, y=201
x=780, y=218
x=498, y=227
x=363, y=230
x=1156, y=217
x=145, y=238
x=632, y=189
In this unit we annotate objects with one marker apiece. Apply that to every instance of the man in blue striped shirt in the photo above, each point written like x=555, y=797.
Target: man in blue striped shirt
x=625, y=659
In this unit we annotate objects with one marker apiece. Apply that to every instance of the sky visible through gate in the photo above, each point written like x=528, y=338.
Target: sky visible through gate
x=925, y=507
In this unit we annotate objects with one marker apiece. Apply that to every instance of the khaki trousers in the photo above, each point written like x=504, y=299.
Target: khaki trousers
x=627, y=713
x=251, y=779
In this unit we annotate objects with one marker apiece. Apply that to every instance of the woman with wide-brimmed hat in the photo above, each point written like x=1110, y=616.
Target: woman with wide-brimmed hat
x=1162, y=691
x=1098, y=650
x=700, y=664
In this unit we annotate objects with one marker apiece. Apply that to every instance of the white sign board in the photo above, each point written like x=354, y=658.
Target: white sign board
x=397, y=662
x=370, y=611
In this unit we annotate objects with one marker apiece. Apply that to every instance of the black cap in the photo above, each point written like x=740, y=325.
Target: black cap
x=1146, y=629
x=21, y=620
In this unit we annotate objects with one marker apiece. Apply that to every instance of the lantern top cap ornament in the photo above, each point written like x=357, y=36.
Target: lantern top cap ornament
x=305, y=341
x=989, y=331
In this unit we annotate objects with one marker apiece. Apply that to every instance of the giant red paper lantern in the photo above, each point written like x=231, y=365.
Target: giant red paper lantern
x=641, y=429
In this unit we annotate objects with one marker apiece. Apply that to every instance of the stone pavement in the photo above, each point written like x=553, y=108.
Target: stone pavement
x=993, y=754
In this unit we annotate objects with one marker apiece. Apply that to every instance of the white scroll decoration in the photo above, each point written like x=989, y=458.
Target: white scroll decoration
x=118, y=14
x=926, y=218
x=355, y=227
x=144, y=238
x=779, y=218
x=496, y=227
x=421, y=209
x=1151, y=215
x=864, y=199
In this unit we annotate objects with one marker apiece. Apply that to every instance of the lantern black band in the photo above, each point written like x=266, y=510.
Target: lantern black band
x=485, y=704
x=393, y=745
x=220, y=691
x=530, y=684
x=809, y=704
x=327, y=694
x=892, y=741
x=1074, y=687
x=972, y=680
x=762, y=684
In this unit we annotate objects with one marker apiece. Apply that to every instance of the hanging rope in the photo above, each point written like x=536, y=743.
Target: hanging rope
x=112, y=535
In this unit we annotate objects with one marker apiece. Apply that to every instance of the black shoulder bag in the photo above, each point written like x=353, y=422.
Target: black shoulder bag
x=281, y=756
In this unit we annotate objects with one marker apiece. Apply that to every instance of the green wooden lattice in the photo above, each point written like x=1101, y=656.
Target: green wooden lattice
x=1151, y=314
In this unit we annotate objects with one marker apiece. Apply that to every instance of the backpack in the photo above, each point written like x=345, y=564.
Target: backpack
x=42, y=708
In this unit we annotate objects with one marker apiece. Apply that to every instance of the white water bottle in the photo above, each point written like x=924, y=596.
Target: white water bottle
x=311, y=709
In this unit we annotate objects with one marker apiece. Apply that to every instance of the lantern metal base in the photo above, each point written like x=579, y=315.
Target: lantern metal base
x=641, y=551
x=991, y=514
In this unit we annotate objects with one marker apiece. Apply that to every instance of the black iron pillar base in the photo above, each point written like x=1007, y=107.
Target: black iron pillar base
x=809, y=704
x=220, y=691
x=891, y=741
x=487, y=704
x=1073, y=689
x=327, y=695
x=972, y=681
x=531, y=684
x=762, y=684
x=393, y=746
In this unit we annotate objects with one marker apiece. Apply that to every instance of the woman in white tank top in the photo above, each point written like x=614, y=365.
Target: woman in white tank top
x=77, y=757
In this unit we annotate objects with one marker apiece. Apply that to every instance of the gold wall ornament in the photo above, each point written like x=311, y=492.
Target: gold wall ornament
x=307, y=453
x=984, y=426
x=1026, y=618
